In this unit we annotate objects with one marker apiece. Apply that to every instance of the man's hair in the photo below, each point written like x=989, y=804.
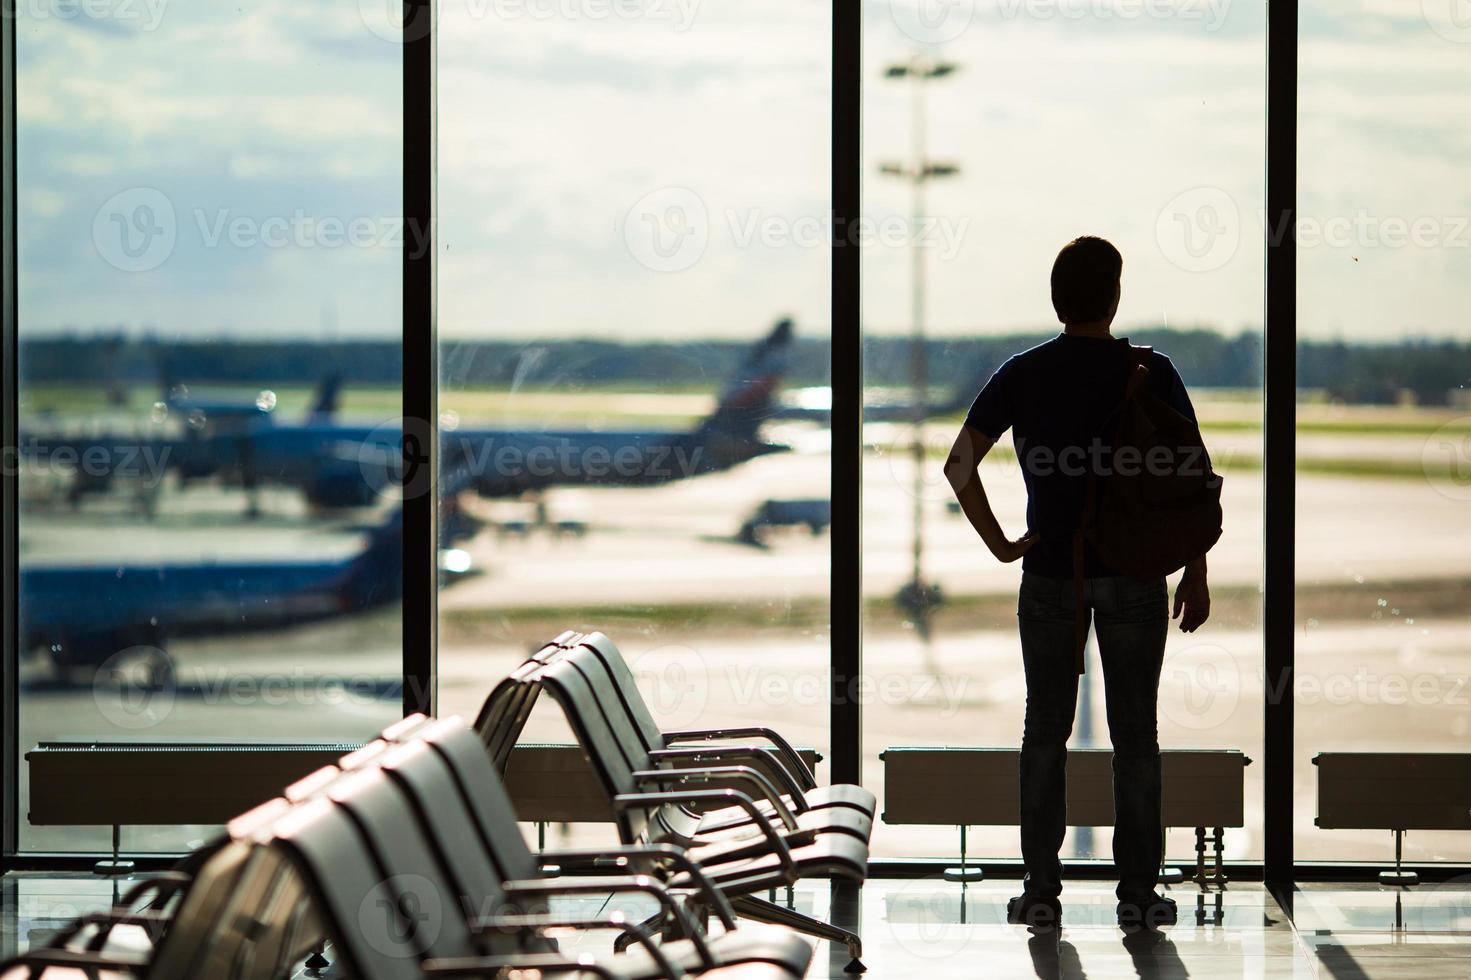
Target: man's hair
x=1085, y=278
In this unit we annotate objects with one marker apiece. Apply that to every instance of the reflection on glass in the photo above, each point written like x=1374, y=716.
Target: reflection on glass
x=209, y=294
x=1383, y=423
x=633, y=285
x=992, y=139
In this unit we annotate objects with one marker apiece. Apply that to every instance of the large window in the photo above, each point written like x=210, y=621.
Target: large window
x=209, y=337
x=1382, y=422
x=992, y=140
x=633, y=281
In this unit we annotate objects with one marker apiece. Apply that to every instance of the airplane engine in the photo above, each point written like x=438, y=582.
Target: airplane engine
x=341, y=487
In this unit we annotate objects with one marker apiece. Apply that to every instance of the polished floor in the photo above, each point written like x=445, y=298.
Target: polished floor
x=935, y=930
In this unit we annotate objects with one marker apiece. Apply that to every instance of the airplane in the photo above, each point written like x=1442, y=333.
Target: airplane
x=82, y=616
x=213, y=442
x=337, y=466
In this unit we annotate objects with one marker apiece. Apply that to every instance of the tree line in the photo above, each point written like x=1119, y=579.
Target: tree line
x=1374, y=372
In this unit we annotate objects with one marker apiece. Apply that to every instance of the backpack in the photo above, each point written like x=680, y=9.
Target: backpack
x=1159, y=506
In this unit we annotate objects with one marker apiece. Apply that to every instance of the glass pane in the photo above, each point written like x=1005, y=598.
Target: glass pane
x=1034, y=124
x=628, y=204
x=1382, y=426
x=209, y=314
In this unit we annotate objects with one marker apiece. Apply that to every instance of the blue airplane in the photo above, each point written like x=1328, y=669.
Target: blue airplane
x=337, y=465
x=80, y=616
x=214, y=443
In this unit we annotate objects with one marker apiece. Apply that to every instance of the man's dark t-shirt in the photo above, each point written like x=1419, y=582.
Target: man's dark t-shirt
x=1057, y=398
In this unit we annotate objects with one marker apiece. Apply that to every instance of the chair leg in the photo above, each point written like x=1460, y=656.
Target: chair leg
x=317, y=962
x=763, y=911
x=654, y=924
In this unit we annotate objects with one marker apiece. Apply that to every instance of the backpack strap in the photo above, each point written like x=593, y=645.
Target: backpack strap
x=1139, y=357
x=1139, y=373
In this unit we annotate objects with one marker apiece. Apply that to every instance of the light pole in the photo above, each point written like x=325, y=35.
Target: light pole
x=917, y=598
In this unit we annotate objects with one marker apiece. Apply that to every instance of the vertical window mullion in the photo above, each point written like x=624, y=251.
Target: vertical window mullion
x=420, y=360
x=1280, y=449
x=9, y=467
x=847, y=385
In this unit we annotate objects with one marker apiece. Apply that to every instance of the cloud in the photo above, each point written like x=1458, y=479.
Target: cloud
x=552, y=126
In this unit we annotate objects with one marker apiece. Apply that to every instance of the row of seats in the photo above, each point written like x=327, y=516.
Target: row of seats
x=405, y=860
x=751, y=814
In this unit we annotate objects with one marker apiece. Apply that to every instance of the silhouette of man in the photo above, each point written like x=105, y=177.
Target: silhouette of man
x=1057, y=398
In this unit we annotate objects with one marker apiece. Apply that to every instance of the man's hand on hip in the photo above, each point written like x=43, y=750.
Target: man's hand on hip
x=1192, y=600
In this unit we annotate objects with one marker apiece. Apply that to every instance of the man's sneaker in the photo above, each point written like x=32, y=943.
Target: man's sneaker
x=1034, y=911
x=1153, y=913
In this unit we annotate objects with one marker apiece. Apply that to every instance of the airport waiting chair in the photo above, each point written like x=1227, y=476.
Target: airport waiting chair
x=648, y=801
x=803, y=813
x=600, y=648
x=682, y=828
x=780, y=801
x=457, y=793
x=508, y=706
x=834, y=809
x=437, y=908
x=213, y=933
x=477, y=862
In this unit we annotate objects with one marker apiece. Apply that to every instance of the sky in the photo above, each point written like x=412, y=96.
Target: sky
x=658, y=169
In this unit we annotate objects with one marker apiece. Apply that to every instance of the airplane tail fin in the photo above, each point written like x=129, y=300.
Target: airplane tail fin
x=329, y=392
x=749, y=396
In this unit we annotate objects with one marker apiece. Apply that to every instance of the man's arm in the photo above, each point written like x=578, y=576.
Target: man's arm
x=1192, y=597
x=961, y=470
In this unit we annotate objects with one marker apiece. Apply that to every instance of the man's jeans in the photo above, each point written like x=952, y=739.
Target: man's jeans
x=1131, y=619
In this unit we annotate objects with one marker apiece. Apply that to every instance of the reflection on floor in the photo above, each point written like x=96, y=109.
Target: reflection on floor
x=938, y=930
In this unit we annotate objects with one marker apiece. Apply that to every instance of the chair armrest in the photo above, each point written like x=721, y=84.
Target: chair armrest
x=663, y=852
x=39, y=960
x=739, y=774
x=616, y=920
x=760, y=761
x=105, y=921
x=639, y=801
x=165, y=883
x=643, y=884
x=784, y=749
x=490, y=966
